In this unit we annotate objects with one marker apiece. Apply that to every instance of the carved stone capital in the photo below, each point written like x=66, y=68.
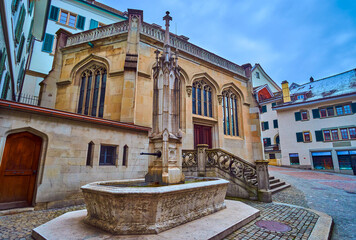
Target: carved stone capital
x=220, y=98
x=189, y=90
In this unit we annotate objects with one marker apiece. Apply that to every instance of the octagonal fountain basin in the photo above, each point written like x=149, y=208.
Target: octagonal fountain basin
x=116, y=207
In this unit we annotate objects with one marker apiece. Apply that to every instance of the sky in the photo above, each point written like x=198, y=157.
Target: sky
x=291, y=39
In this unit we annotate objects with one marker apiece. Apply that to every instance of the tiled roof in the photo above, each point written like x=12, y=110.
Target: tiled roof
x=333, y=86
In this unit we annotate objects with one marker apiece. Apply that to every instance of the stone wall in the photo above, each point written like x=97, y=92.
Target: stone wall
x=62, y=167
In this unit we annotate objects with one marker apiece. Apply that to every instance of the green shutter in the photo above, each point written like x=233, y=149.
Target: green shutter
x=19, y=24
x=275, y=123
x=319, y=136
x=93, y=24
x=353, y=106
x=6, y=86
x=264, y=108
x=47, y=43
x=300, y=137
x=14, y=5
x=316, y=113
x=21, y=74
x=30, y=7
x=266, y=126
x=268, y=141
x=297, y=116
x=53, y=15
x=2, y=62
x=80, y=22
x=20, y=49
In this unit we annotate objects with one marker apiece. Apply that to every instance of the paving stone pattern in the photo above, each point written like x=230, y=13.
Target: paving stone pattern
x=300, y=220
x=328, y=192
x=19, y=226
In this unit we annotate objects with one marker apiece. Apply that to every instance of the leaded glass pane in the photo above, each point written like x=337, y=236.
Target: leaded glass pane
x=223, y=109
x=95, y=95
x=210, y=105
x=194, y=101
x=232, y=116
x=205, y=103
x=87, y=96
x=199, y=101
x=81, y=95
x=236, y=118
x=102, y=95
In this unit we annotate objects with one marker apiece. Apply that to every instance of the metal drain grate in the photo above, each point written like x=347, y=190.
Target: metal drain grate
x=273, y=226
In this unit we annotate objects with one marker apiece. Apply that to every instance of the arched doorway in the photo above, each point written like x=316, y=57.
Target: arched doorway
x=18, y=170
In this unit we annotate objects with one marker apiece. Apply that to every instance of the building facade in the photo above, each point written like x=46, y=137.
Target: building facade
x=267, y=94
x=97, y=109
x=16, y=41
x=317, y=124
x=74, y=16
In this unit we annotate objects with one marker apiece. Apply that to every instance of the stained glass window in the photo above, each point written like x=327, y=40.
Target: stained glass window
x=230, y=113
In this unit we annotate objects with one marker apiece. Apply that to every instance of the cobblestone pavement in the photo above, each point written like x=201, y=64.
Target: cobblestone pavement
x=331, y=193
x=19, y=226
x=300, y=220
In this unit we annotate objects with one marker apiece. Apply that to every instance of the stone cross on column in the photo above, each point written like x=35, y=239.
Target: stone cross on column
x=167, y=18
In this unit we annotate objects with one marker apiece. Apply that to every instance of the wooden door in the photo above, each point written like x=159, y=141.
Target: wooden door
x=18, y=170
x=202, y=135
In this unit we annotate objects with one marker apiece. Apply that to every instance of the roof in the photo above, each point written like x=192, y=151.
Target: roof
x=330, y=87
x=103, y=7
x=68, y=115
x=257, y=65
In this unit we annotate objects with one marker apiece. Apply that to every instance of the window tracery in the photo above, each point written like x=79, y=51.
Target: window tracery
x=92, y=91
x=230, y=113
x=202, y=98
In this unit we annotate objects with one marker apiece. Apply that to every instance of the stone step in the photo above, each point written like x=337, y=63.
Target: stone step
x=276, y=185
x=280, y=188
x=273, y=181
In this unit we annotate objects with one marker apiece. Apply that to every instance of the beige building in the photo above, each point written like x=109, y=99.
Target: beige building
x=267, y=94
x=101, y=87
x=317, y=124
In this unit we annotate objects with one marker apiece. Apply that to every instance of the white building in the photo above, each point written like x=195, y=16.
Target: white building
x=267, y=94
x=317, y=124
x=16, y=37
x=74, y=16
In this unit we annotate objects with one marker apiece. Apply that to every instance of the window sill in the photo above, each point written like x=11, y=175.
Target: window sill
x=65, y=25
x=233, y=137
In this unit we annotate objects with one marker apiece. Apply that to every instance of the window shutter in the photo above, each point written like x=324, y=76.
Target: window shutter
x=19, y=24
x=80, y=22
x=297, y=116
x=6, y=86
x=264, y=108
x=266, y=126
x=268, y=141
x=353, y=106
x=20, y=49
x=316, y=113
x=14, y=5
x=53, y=15
x=93, y=24
x=2, y=62
x=275, y=123
x=30, y=8
x=319, y=136
x=21, y=74
x=47, y=43
x=300, y=137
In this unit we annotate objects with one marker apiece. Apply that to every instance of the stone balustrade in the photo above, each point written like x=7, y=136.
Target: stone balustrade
x=98, y=33
x=181, y=44
x=249, y=180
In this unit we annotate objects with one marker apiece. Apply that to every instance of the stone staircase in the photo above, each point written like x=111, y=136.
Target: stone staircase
x=276, y=185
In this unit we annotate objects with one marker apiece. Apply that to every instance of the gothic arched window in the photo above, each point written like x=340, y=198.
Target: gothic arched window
x=202, y=99
x=92, y=91
x=230, y=113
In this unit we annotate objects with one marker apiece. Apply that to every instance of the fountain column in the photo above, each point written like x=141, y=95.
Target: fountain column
x=165, y=136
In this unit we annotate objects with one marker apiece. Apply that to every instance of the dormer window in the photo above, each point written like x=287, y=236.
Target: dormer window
x=300, y=97
x=257, y=75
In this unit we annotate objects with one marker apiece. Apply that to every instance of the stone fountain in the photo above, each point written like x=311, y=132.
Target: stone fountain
x=119, y=209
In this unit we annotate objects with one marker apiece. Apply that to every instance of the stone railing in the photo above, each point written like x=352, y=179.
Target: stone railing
x=233, y=165
x=189, y=158
x=181, y=44
x=98, y=33
x=247, y=180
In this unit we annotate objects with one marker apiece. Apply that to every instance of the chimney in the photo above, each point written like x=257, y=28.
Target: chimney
x=91, y=1
x=247, y=67
x=311, y=79
x=285, y=91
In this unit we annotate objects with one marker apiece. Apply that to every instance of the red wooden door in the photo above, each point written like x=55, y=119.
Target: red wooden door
x=18, y=170
x=202, y=135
